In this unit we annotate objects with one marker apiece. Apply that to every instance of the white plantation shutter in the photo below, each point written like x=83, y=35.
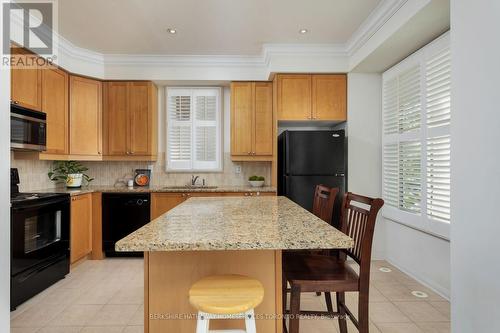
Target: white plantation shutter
x=410, y=176
x=438, y=178
x=416, y=103
x=409, y=105
x=193, y=129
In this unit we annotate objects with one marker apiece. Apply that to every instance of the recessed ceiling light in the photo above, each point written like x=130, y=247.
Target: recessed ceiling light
x=303, y=31
x=172, y=31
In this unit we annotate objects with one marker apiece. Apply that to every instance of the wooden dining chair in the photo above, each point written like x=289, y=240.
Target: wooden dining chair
x=323, y=202
x=321, y=273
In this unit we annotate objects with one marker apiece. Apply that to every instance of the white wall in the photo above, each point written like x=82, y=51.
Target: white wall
x=364, y=108
x=475, y=175
x=4, y=195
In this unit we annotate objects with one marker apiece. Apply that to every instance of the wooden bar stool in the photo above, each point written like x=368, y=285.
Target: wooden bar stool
x=226, y=297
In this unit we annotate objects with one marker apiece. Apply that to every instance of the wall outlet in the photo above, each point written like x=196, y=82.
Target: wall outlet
x=237, y=169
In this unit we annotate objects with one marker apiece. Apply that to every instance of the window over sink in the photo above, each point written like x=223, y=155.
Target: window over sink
x=194, y=129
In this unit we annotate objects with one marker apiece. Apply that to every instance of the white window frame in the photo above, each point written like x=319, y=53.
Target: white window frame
x=196, y=166
x=417, y=221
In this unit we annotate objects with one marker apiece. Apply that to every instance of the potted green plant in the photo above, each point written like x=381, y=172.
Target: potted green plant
x=72, y=173
x=256, y=181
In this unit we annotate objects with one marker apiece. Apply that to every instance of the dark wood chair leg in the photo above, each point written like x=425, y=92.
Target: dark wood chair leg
x=283, y=299
x=318, y=293
x=328, y=300
x=342, y=313
x=293, y=321
x=363, y=314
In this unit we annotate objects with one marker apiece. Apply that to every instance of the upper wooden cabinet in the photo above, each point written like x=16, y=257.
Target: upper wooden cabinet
x=55, y=104
x=312, y=97
x=329, y=100
x=85, y=117
x=26, y=83
x=130, y=120
x=251, y=121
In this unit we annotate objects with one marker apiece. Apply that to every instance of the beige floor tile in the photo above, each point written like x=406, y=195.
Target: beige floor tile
x=99, y=295
x=318, y=326
x=62, y=296
x=37, y=316
x=76, y=315
x=114, y=315
x=24, y=329
x=398, y=292
x=443, y=307
x=435, y=327
x=102, y=329
x=386, y=312
x=61, y=329
x=135, y=329
x=128, y=295
x=353, y=329
x=138, y=317
x=398, y=328
x=421, y=311
x=432, y=296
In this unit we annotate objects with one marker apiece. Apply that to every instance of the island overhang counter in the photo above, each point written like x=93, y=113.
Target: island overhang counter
x=207, y=236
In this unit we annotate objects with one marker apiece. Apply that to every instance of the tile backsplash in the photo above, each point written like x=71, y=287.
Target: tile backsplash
x=33, y=174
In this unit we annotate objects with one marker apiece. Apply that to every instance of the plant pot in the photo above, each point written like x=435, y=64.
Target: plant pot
x=74, y=180
x=256, y=183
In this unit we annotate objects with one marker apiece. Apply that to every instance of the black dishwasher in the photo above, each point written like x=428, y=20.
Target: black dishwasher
x=122, y=214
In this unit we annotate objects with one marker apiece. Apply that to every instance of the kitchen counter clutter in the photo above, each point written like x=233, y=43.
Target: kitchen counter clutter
x=161, y=189
x=257, y=223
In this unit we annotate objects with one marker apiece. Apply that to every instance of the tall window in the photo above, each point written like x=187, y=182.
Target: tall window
x=416, y=139
x=194, y=129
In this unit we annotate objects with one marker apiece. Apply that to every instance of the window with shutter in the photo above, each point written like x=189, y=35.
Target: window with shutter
x=416, y=103
x=194, y=129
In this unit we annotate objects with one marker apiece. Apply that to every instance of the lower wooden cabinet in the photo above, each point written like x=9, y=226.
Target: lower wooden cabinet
x=163, y=202
x=81, y=226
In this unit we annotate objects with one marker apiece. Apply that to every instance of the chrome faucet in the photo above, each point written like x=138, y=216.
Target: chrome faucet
x=194, y=179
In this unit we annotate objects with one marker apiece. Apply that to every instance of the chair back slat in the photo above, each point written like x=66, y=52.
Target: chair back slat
x=359, y=224
x=323, y=202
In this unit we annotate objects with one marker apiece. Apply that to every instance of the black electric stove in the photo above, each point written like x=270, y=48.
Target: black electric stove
x=40, y=229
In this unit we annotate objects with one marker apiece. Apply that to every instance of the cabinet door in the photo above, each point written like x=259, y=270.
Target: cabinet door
x=263, y=144
x=81, y=226
x=294, y=97
x=115, y=118
x=139, y=118
x=55, y=105
x=329, y=97
x=26, y=84
x=163, y=202
x=85, y=116
x=242, y=118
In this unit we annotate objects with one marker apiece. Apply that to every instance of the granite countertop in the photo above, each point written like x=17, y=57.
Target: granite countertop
x=235, y=223
x=158, y=189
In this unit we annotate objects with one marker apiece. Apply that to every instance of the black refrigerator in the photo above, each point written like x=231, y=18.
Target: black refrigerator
x=310, y=158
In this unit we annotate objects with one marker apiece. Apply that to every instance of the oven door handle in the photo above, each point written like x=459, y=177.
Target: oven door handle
x=41, y=204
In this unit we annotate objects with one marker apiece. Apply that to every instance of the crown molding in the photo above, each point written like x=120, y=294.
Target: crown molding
x=377, y=18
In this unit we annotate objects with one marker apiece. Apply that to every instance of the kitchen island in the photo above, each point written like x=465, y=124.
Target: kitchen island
x=206, y=236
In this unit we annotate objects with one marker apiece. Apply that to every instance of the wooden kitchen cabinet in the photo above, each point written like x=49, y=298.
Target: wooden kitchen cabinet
x=130, y=120
x=55, y=84
x=329, y=100
x=294, y=97
x=81, y=226
x=251, y=121
x=163, y=202
x=312, y=97
x=85, y=117
x=26, y=84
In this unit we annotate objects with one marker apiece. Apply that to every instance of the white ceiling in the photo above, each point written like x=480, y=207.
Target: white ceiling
x=207, y=27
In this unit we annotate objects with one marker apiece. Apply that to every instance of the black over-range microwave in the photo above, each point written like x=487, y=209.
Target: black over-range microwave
x=28, y=129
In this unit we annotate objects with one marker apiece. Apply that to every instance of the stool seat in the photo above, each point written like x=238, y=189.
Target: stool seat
x=226, y=294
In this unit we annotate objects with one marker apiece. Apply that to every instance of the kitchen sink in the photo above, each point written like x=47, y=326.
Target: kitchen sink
x=189, y=187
